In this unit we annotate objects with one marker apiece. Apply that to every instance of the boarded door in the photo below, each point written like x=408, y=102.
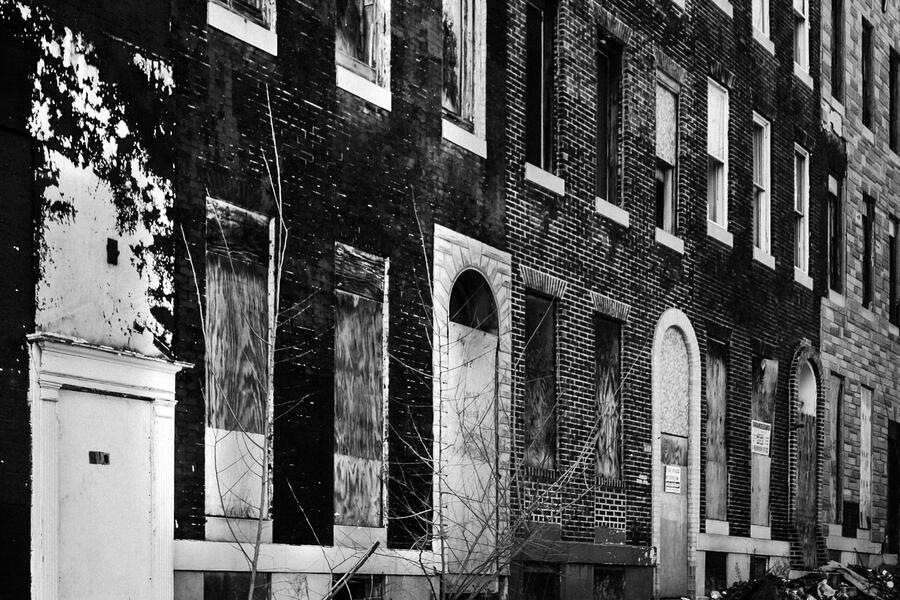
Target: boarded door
x=469, y=450
x=673, y=495
x=762, y=411
x=104, y=497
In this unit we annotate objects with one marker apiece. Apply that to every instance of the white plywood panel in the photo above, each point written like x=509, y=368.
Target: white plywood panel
x=865, y=458
x=104, y=509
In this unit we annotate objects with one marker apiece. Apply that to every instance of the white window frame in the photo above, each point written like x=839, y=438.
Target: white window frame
x=801, y=213
x=670, y=212
x=762, y=189
x=222, y=16
x=801, y=35
x=374, y=87
x=717, y=193
x=469, y=131
x=760, y=10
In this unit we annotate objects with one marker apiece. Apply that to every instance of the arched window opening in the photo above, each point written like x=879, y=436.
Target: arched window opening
x=472, y=302
x=806, y=389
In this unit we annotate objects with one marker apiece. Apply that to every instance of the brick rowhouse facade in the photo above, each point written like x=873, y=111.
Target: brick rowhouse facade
x=859, y=337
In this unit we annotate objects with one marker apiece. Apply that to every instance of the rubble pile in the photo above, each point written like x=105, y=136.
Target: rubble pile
x=833, y=581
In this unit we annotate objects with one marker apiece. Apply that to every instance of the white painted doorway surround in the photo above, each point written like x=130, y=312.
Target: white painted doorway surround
x=103, y=471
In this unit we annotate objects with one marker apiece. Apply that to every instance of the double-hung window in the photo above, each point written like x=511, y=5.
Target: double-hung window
x=801, y=210
x=609, y=94
x=761, y=185
x=801, y=35
x=666, y=156
x=717, y=155
x=363, y=49
x=540, y=23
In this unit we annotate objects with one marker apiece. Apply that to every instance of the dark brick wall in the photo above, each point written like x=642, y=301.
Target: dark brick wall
x=711, y=283
x=354, y=173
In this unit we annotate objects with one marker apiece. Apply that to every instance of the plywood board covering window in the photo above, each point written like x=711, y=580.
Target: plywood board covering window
x=607, y=357
x=865, y=458
x=540, y=381
x=762, y=418
x=834, y=501
x=237, y=358
x=358, y=388
x=666, y=157
x=716, y=453
x=362, y=38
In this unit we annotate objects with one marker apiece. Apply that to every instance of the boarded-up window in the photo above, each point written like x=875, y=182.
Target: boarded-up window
x=762, y=411
x=865, y=458
x=540, y=582
x=237, y=357
x=834, y=498
x=362, y=43
x=540, y=381
x=666, y=157
x=608, y=336
x=716, y=454
x=892, y=530
x=459, y=58
x=358, y=387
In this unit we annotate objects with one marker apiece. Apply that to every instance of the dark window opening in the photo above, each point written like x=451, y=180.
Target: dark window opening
x=540, y=582
x=609, y=584
x=892, y=532
x=539, y=34
x=540, y=381
x=867, y=75
x=837, y=49
x=666, y=157
x=868, y=226
x=894, y=101
x=609, y=95
x=360, y=587
x=837, y=384
x=716, y=572
x=758, y=567
x=835, y=238
x=472, y=302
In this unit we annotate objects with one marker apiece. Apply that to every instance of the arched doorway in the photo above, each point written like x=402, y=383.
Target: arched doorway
x=469, y=429
x=676, y=452
x=805, y=425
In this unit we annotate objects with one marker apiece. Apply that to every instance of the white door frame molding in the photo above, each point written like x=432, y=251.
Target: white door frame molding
x=56, y=363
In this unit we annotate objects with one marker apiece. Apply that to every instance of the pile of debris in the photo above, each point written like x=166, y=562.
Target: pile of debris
x=833, y=581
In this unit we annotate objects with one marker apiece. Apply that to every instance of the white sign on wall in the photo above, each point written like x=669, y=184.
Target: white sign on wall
x=760, y=437
x=673, y=479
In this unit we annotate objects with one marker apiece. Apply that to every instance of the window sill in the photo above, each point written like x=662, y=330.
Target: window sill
x=717, y=527
x=893, y=329
x=545, y=179
x=868, y=134
x=836, y=106
x=726, y=7
x=717, y=232
x=761, y=532
x=359, y=86
x=803, y=75
x=612, y=212
x=836, y=298
x=242, y=28
x=763, y=40
x=763, y=258
x=464, y=139
x=803, y=278
x=670, y=241
x=235, y=529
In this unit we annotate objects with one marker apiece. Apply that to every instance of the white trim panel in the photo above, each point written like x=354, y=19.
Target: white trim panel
x=233, y=24
x=464, y=139
x=359, y=86
x=545, y=179
x=612, y=212
x=717, y=527
x=742, y=545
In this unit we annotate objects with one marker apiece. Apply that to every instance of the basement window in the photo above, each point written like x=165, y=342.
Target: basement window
x=666, y=157
x=540, y=381
x=360, y=587
x=363, y=49
x=464, y=65
x=540, y=23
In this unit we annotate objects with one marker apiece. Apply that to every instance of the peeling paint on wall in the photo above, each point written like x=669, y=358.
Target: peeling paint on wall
x=100, y=173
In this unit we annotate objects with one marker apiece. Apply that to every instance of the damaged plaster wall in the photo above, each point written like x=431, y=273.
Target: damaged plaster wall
x=99, y=119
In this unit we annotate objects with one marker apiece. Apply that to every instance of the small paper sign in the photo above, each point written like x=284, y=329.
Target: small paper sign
x=673, y=479
x=760, y=436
